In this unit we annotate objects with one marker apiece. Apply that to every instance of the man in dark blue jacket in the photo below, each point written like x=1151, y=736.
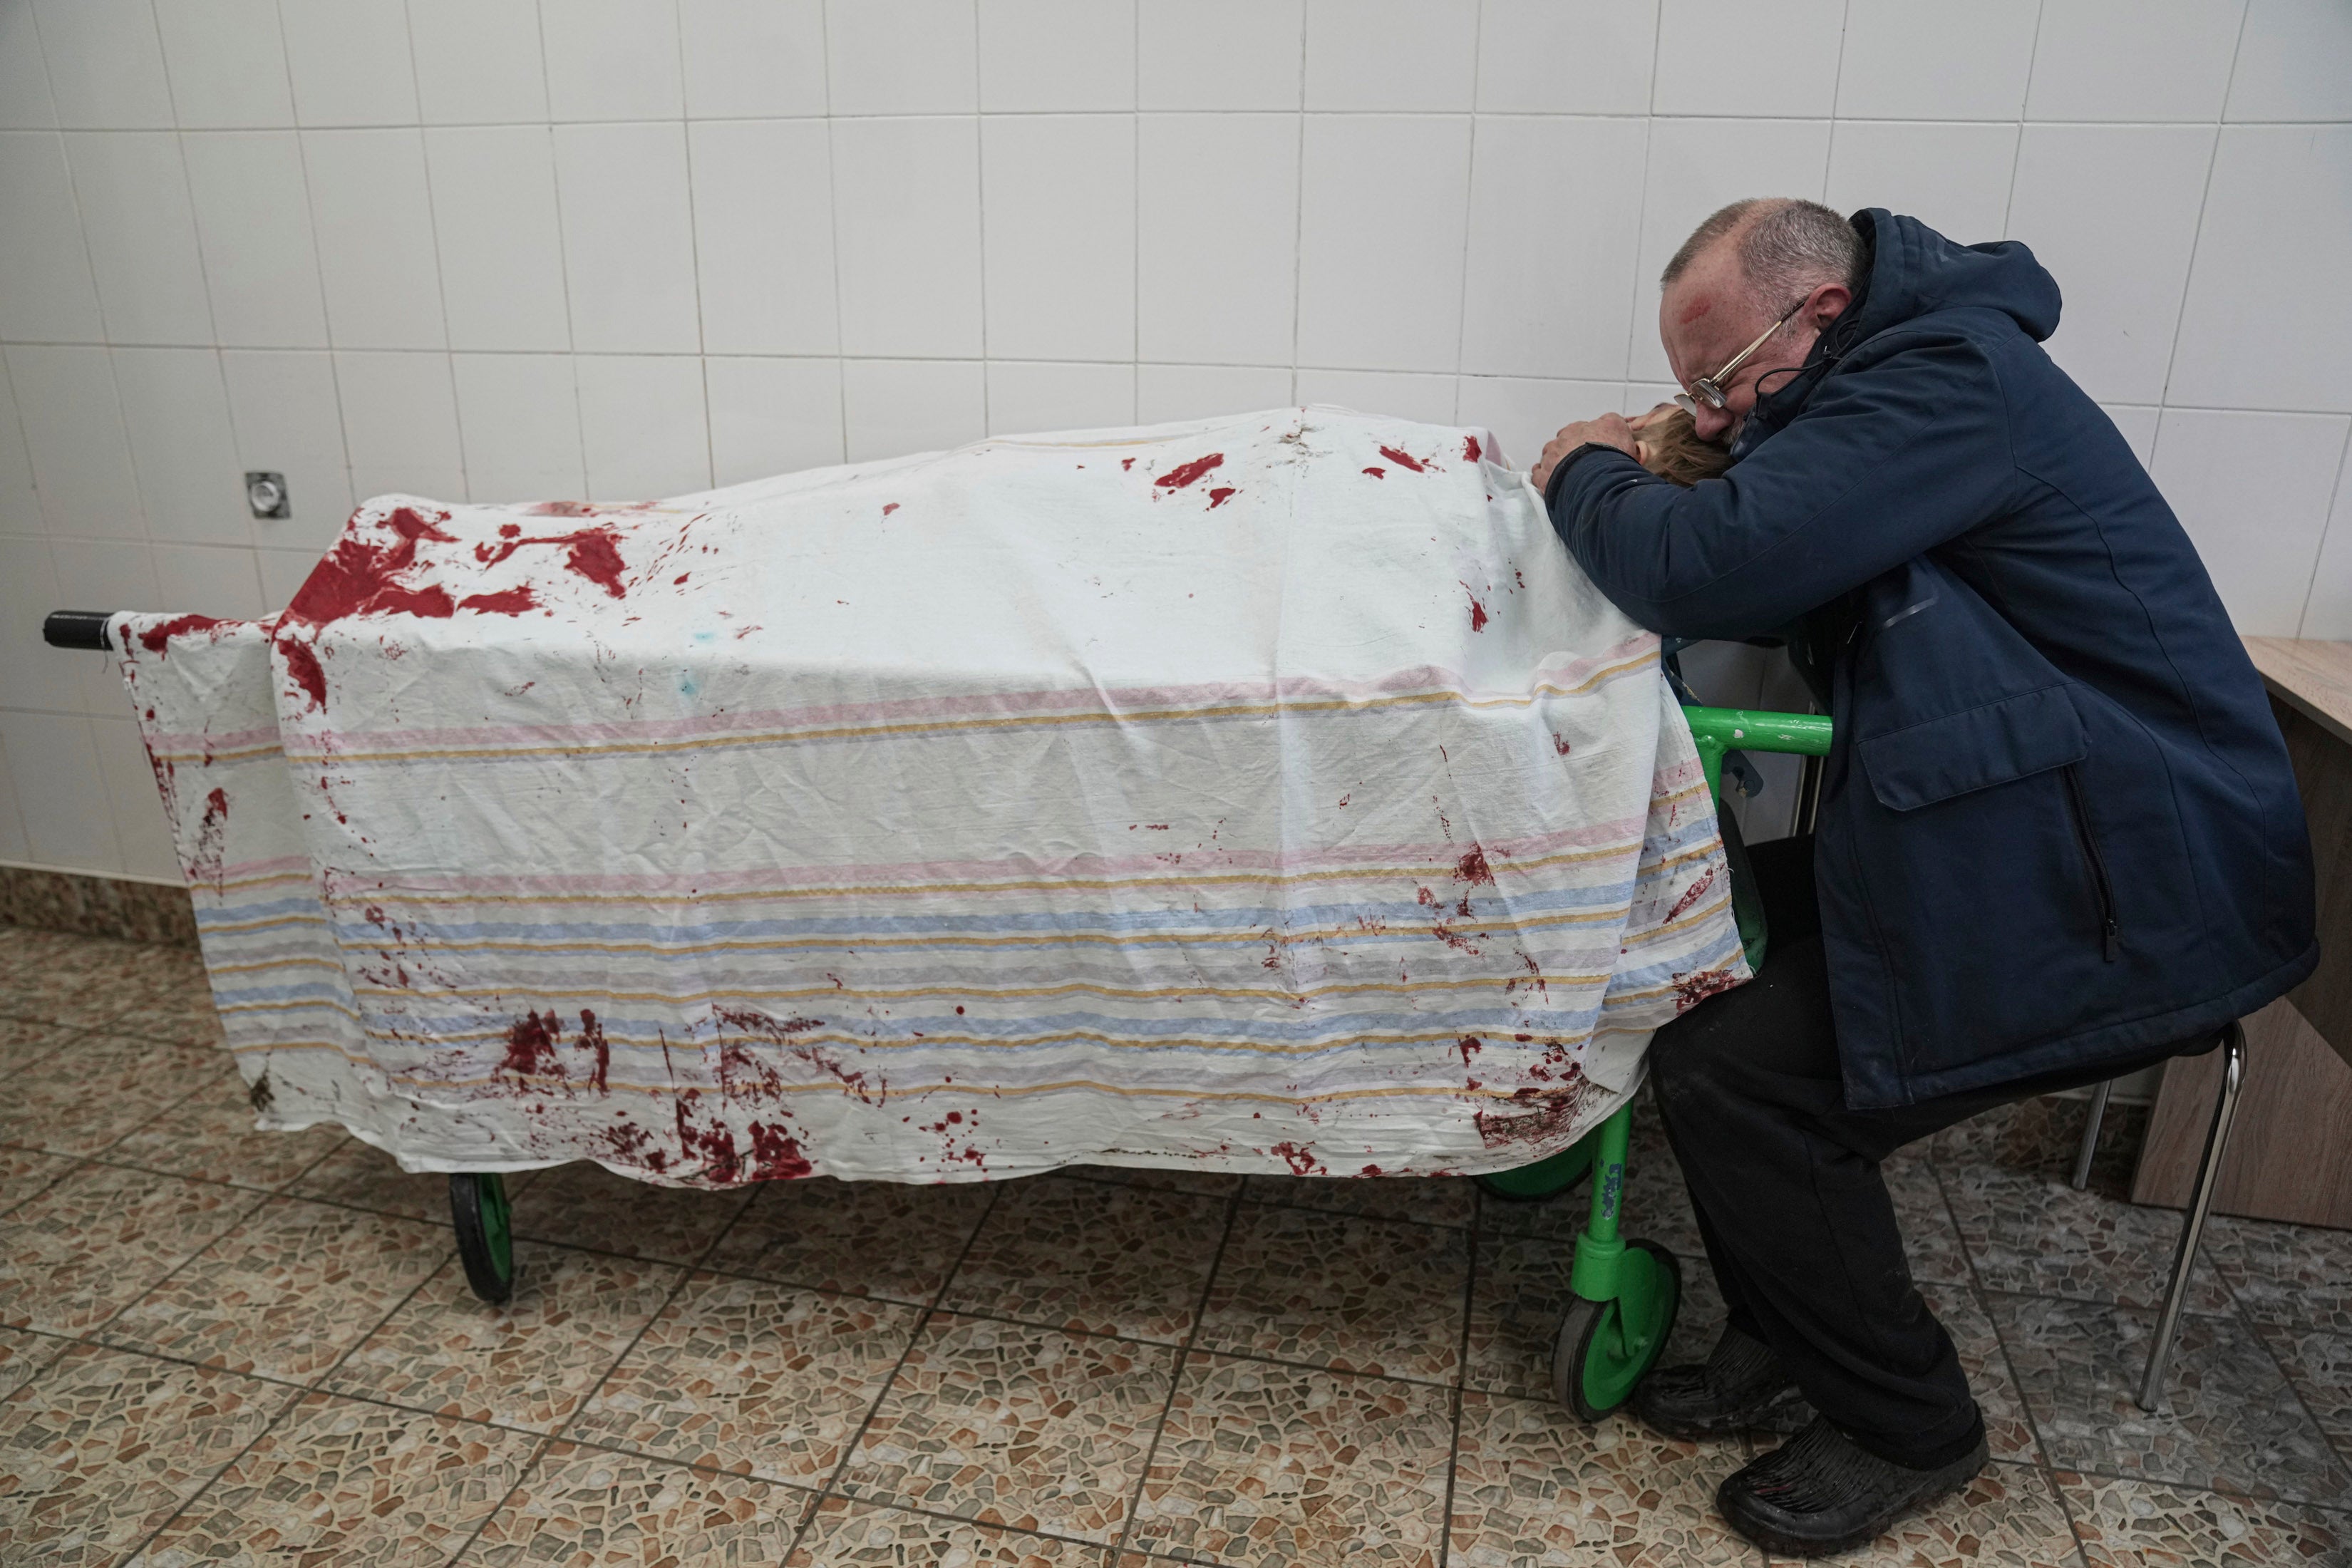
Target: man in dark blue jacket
x=2058, y=837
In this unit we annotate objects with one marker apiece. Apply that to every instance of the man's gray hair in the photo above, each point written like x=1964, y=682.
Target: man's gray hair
x=1788, y=248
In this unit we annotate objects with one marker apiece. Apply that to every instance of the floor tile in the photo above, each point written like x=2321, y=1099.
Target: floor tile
x=1931, y=1242
x=287, y=1292
x=752, y=1377
x=1361, y=1295
x=359, y=1175
x=26, y=1173
x=1536, y=1487
x=527, y=1363
x=2008, y=1514
x=1092, y=1258
x=1439, y=1200
x=88, y=981
x=2042, y=1136
x=846, y=1533
x=584, y=1205
x=24, y=1352
x=1283, y=1466
x=593, y=1507
x=2233, y=1422
x=2319, y=1365
x=181, y=1015
x=2036, y=1235
x=23, y=1043
x=872, y=1238
x=74, y=1256
x=337, y=1481
x=1013, y=1425
x=210, y=1135
x=1181, y=1179
x=103, y=1447
x=2008, y=1430
x=2297, y=1276
x=1521, y=1294
x=94, y=1088
x=2146, y=1524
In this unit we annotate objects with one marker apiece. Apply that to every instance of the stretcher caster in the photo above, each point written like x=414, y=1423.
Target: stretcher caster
x=1605, y=1347
x=478, y=1205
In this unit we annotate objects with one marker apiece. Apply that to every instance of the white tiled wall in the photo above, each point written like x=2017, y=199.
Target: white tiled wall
x=512, y=249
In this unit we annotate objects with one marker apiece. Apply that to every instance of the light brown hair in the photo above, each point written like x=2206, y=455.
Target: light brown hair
x=1672, y=451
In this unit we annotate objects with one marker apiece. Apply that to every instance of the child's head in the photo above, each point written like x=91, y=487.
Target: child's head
x=1671, y=448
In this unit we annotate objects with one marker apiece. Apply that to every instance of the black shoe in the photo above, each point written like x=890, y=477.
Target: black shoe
x=1740, y=1384
x=1819, y=1493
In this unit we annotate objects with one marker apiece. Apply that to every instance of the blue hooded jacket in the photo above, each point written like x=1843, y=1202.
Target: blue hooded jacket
x=2058, y=829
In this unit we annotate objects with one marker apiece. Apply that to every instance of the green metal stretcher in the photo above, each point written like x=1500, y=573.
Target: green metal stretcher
x=1627, y=1291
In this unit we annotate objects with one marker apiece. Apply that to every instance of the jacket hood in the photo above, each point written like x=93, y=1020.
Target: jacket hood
x=1915, y=270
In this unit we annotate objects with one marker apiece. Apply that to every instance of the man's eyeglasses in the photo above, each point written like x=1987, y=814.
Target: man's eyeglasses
x=1709, y=389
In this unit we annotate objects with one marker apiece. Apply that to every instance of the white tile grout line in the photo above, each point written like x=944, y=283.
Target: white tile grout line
x=1352, y=113
x=2025, y=96
x=2197, y=235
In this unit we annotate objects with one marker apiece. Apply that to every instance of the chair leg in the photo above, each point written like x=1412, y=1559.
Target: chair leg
x=2192, y=1229
x=2091, y=1134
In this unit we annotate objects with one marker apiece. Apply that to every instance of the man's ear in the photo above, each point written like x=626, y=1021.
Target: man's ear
x=1829, y=303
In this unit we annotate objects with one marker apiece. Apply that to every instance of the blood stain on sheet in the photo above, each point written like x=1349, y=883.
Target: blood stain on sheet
x=530, y=1046
x=1691, y=895
x=1404, y=459
x=156, y=637
x=303, y=665
x=1220, y=496
x=506, y=602
x=1555, y=1109
x=889, y=508
x=714, y=1145
x=592, y=1039
x=1378, y=473
x=776, y=1155
x=1477, y=611
x=1302, y=1162
x=1471, y=450
x=1183, y=474
x=1690, y=989
x=361, y=578
x=1125, y=464
x=556, y=509
x=1473, y=867
x=1558, y=744
x=204, y=863
x=1469, y=1046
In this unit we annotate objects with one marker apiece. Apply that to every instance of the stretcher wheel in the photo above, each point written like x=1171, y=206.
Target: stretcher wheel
x=478, y=1206
x=1605, y=1348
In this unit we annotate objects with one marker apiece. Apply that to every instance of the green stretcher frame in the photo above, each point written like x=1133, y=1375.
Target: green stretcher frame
x=1634, y=1292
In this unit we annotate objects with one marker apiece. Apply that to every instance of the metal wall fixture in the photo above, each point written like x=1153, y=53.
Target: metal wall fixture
x=265, y=493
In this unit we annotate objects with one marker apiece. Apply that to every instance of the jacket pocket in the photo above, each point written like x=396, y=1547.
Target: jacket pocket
x=1975, y=749
x=2110, y=931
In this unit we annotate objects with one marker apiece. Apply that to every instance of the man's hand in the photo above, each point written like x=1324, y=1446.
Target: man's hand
x=1609, y=430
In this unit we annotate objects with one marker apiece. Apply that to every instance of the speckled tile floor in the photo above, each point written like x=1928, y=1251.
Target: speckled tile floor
x=219, y=1346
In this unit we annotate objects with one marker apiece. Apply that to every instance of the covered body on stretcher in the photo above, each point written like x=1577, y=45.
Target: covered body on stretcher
x=1265, y=794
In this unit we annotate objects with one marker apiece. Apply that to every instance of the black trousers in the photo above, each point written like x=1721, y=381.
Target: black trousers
x=1798, y=1228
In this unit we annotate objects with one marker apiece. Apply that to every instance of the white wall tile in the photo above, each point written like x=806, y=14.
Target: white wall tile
x=902, y=57
x=2137, y=424
x=1217, y=226
x=1219, y=54
x=32, y=673
x=108, y=574
x=46, y=292
x=1165, y=392
x=894, y=407
x=2295, y=62
x=372, y=218
x=175, y=412
x=1523, y=412
x=210, y=580
x=2257, y=523
x=2133, y=59
x=1058, y=194
x=643, y=426
x=1554, y=230
x=613, y=59
x=1953, y=178
x=478, y=61
x=288, y=420
x=227, y=60
x=1723, y=58
x=1372, y=55
x=1039, y=57
x=133, y=194
x=1402, y=395
x=519, y=418
x=253, y=224
x=140, y=824
x=1903, y=60
x=105, y=63
x=1024, y=398
x=2328, y=612
x=763, y=235
x=906, y=214
x=2268, y=322
x=2078, y=187
x=25, y=100
x=73, y=433
x=20, y=504
x=351, y=61
x=399, y=424
x=628, y=238
x=1566, y=57
x=283, y=572
x=1380, y=238
x=773, y=416
x=1696, y=166
x=746, y=57
x=53, y=764
x=500, y=245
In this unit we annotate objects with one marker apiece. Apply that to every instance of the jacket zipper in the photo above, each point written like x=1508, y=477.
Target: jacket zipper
x=2110, y=934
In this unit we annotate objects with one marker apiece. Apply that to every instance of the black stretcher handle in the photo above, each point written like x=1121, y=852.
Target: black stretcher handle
x=77, y=628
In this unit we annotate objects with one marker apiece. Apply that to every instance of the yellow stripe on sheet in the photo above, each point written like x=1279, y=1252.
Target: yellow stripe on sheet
x=988, y=993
